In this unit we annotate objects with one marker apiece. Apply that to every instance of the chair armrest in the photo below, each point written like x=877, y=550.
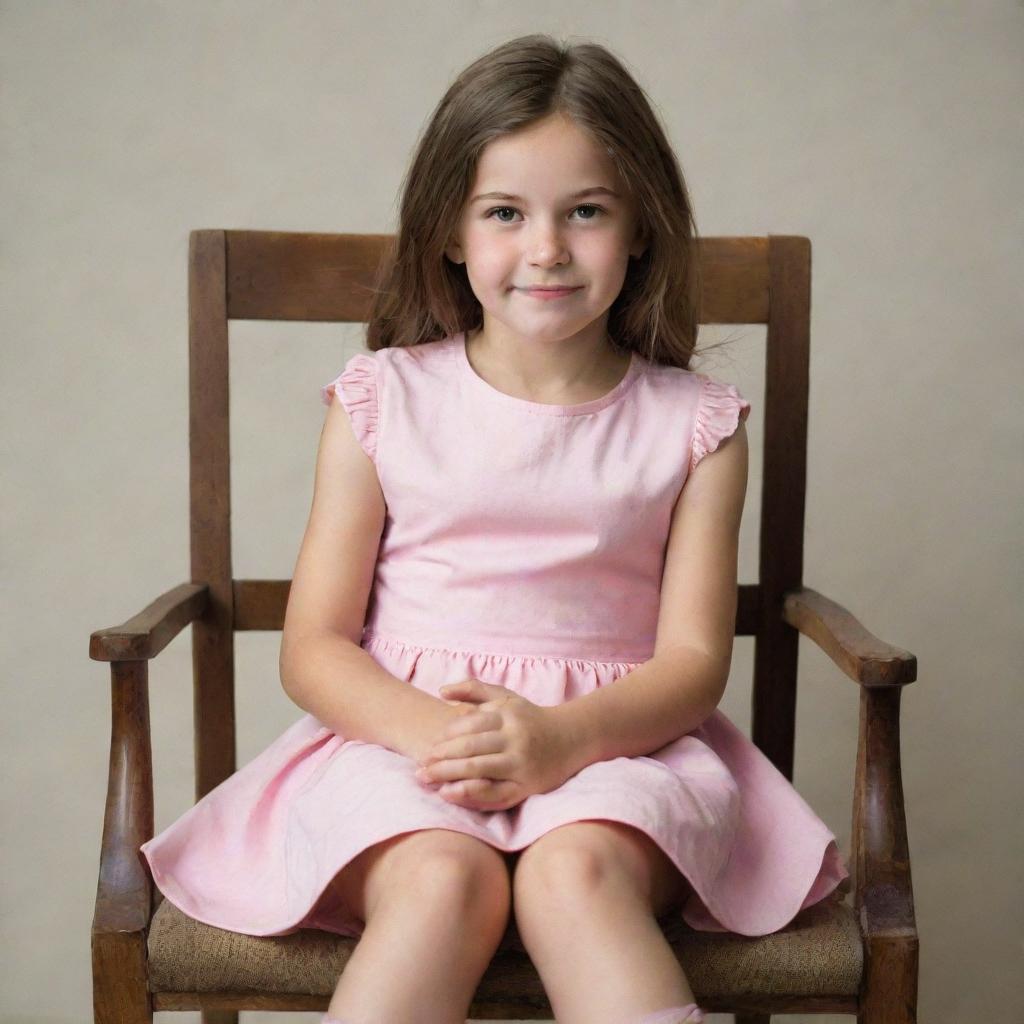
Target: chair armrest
x=145, y=635
x=883, y=889
x=860, y=655
x=124, y=889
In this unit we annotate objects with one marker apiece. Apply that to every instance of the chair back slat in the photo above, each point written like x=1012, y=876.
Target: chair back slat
x=260, y=605
x=286, y=275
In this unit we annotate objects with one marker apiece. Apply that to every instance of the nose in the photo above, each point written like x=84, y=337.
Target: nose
x=547, y=247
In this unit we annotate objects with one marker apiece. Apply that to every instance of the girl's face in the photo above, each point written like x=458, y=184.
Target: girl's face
x=539, y=230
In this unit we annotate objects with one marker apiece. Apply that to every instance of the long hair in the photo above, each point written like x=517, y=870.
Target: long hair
x=420, y=295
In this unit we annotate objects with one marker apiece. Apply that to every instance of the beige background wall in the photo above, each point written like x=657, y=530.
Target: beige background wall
x=890, y=134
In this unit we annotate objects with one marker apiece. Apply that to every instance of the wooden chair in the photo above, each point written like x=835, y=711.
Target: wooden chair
x=834, y=957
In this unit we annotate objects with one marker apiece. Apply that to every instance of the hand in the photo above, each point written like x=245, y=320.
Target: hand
x=495, y=754
x=455, y=710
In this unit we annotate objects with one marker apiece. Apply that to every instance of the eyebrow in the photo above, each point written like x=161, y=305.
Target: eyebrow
x=595, y=190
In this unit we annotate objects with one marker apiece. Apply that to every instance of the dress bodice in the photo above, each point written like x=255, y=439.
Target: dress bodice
x=520, y=527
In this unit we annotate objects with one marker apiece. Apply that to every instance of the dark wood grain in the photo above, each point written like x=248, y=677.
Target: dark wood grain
x=783, y=486
x=213, y=662
x=880, y=856
x=145, y=635
x=124, y=890
x=858, y=653
x=883, y=891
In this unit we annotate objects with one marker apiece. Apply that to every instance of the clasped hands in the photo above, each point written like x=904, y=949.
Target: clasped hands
x=496, y=749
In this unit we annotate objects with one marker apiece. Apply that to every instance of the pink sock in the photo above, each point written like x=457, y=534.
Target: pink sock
x=674, y=1015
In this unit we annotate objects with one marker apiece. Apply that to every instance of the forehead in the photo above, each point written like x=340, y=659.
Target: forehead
x=553, y=155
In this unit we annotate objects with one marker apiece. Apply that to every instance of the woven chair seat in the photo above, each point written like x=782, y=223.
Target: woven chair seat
x=818, y=954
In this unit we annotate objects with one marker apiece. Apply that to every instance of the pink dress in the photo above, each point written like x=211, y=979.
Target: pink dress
x=523, y=545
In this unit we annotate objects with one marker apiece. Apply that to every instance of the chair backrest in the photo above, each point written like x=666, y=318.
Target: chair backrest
x=274, y=275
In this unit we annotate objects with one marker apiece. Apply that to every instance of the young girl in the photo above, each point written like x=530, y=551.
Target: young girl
x=511, y=619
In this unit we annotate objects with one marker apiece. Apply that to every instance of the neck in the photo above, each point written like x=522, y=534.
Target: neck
x=550, y=370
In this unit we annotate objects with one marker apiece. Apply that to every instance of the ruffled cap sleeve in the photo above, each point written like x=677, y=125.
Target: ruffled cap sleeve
x=720, y=407
x=356, y=388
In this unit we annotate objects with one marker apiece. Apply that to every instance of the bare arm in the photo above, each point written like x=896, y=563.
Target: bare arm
x=323, y=669
x=341, y=685
x=672, y=693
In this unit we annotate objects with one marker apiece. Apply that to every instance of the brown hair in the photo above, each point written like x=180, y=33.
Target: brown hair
x=421, y=295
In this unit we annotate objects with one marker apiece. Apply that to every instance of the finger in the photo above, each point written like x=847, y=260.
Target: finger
x=466, y=743
x=470, y=689
x=480, y=794
x=464, y=689
x=455, y=769
x=466, y=707
x=463, y=697
x=452, y=769
x=470, y=722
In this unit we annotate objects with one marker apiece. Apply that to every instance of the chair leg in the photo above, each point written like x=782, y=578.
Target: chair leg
x=120, y=993
x=889, y=992
x=220, y=1016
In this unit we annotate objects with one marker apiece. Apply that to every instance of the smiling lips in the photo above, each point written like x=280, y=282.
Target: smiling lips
x=549, y=293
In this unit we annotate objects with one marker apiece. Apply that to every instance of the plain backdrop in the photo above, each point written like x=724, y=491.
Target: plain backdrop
x=890, y=134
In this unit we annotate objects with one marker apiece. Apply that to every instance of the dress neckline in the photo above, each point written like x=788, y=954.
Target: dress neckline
x=545, y=408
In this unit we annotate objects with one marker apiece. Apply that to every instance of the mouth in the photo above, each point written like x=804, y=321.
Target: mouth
x=550, y=293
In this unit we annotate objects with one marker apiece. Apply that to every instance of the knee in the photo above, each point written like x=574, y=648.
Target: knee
x=467, y=879
x=564, y=872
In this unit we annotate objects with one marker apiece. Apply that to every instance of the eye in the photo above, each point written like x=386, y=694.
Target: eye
x=501, y=220
x=498, y=209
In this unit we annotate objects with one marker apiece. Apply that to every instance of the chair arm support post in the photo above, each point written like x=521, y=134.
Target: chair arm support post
x=145, y=635
x=883, y=894
x=883, y=890
x=858, y=653
x=124, y=890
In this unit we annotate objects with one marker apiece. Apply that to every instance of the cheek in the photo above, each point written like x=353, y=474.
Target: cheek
x=490, y=264
x=606, y=250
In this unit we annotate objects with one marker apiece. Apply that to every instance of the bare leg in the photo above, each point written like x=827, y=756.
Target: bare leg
x=595, y=941
x=428, y=938
x=620, y=962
